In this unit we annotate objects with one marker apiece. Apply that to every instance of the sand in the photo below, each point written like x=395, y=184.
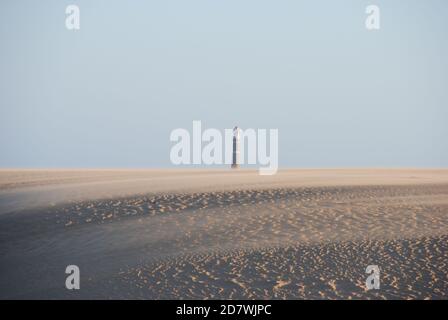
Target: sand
x=222, y=234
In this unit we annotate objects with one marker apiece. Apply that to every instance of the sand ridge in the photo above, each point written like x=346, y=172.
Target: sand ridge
x=22, y=189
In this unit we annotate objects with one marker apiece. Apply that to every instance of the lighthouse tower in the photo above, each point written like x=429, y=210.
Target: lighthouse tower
x=236, y=148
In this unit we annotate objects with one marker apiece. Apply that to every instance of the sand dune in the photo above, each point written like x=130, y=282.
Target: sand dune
x=21, y=189
x=176, y=234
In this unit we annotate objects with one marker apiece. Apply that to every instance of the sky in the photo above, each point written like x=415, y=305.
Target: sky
x=109, y=95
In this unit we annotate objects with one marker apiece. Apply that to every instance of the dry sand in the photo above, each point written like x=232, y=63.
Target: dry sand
x=224, y=234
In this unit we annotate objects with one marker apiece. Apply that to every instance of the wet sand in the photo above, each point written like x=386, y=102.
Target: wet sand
x=160, y=234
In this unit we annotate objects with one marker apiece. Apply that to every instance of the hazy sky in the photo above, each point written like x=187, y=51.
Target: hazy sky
x=110, y=94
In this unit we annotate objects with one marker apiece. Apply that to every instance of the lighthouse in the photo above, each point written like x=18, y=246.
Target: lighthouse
x=236, y=148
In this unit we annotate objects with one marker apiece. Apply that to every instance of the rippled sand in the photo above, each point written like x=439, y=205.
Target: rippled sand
x=303, y=234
